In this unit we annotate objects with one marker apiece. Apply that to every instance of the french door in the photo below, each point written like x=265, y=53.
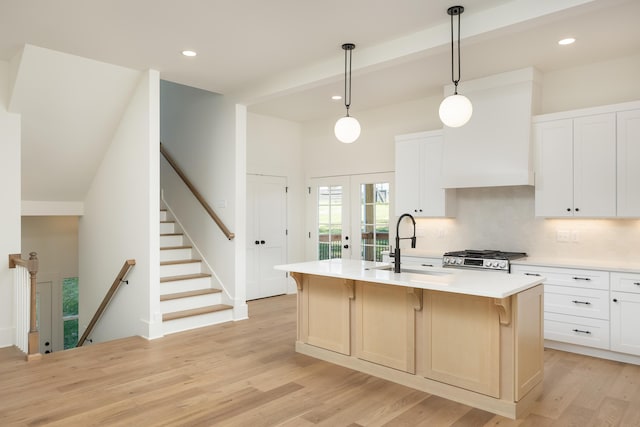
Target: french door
x=349, y=216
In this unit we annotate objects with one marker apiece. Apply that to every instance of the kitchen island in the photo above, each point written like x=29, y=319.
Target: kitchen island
x=473, y=337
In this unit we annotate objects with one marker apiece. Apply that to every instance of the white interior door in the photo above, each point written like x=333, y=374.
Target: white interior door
x=328, y=223
x=266, y=233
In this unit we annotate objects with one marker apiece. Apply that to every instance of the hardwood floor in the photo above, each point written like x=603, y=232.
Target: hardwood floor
x=247, y=374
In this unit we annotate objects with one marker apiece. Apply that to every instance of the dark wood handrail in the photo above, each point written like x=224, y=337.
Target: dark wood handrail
x=32, y=266
x=197, y=194
x=107, y=298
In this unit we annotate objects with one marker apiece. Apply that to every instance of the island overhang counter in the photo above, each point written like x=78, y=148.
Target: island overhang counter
x=473, y=337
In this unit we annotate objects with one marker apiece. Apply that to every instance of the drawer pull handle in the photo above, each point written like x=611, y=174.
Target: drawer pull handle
x=536, y=274
x=581, y=302
x=636, y=283
x=582, y=332
x=581, y=278
x=426, y=265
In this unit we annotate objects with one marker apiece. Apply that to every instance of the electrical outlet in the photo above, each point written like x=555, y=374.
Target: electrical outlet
x=563, y=235
x=575, y=236
x=441, y=233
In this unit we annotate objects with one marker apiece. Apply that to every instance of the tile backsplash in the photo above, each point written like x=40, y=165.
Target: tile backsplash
x=503, y=218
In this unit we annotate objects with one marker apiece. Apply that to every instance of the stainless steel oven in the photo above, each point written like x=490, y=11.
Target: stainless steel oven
x=487, y=259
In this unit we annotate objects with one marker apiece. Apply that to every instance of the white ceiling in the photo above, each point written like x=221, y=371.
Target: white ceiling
x=283, y=57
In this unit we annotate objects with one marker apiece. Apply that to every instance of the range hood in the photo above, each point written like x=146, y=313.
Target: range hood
x=494, y=148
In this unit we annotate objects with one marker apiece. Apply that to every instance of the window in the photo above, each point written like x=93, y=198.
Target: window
x=70, y=311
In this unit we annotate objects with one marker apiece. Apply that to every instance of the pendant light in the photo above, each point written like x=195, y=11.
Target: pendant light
x=347, y=129
x=455, y=110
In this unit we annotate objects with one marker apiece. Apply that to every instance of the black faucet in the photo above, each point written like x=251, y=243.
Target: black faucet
x=396, y=256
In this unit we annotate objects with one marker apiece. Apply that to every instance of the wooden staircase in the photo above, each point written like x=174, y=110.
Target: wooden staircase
x=187, y=298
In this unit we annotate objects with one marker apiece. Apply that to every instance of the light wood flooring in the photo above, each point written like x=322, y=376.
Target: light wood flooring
x=247, y=374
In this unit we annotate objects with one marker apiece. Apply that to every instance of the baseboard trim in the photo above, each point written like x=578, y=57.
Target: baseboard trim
x=593, y=352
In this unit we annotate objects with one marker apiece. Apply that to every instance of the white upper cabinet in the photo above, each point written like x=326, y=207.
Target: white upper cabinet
x=419, y=176
x=586, y=162
x=629, y=163
x=554, y=168
x=594, y=166
x=494, y=147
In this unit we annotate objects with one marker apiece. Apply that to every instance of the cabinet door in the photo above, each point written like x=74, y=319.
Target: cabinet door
x=385, y=325
x=408, y=177
x=628, y=163
x=625, y=318
x=419, y=176
x=554, y=168
x=326, y=311
x=594, y=167
x=462, y=345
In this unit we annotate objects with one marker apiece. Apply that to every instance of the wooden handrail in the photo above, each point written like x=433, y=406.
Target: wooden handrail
x=107, y=298
x=196, y=193
x=32, y=266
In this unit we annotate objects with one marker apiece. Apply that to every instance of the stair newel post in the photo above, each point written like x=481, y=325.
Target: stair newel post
x=34, y=335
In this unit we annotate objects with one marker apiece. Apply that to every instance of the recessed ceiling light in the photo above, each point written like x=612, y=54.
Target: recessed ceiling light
x=566, y=41
x=336, y=97
x=189, y=53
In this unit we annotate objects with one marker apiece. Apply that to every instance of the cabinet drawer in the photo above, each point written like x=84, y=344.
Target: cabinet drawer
x=625, y=282
x=592, y=279
x=576, y=330
x=592, y=303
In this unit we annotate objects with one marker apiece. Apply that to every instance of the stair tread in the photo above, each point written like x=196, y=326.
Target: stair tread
x=168, y=248
x=183, y=277
x=171, y=234
x=180, y=261
x=195, y=312
x=188, y=294
x=167, y=222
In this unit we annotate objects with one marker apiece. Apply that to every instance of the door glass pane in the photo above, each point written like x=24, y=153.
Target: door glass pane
x=374, y=220
x=329, y=222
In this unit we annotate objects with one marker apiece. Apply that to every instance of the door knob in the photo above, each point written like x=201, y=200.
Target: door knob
x=346, y=246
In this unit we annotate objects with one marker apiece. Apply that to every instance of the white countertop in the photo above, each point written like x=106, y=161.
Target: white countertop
x=585, y=264
x=480, y=283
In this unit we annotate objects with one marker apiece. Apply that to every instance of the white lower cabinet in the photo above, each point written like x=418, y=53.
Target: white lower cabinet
x=625, y=313
x=576, y=304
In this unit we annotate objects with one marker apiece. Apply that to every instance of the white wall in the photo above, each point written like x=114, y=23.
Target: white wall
x=204, y=133
x=274, y=148
x=55, y=239
x=10, y=210
x=121, y=222
x=490, y=218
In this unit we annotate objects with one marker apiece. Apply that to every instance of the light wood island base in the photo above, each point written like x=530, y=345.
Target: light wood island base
x=480, y=351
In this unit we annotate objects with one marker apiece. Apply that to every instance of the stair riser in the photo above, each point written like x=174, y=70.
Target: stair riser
x=181, y=304
x=175, y=254
x=171, y=241
x=167, y=227
x=180, y=269
x=186, y=323
x=185, y=285
x=163, y=215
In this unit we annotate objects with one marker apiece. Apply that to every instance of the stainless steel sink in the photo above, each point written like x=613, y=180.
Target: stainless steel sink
x=412, y=269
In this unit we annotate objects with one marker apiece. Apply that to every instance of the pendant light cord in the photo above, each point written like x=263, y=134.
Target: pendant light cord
x=453, y=79
x=347, y=80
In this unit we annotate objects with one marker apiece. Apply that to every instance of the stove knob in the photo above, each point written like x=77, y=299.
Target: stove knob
x=459, y=261
x=445, y=260
x=503, y=264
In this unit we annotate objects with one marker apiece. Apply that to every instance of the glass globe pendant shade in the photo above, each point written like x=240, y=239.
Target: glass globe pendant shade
x=347, y=129
x=455, y=110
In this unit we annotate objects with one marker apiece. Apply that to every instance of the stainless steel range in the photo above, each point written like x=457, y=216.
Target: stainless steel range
x=481, y=259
